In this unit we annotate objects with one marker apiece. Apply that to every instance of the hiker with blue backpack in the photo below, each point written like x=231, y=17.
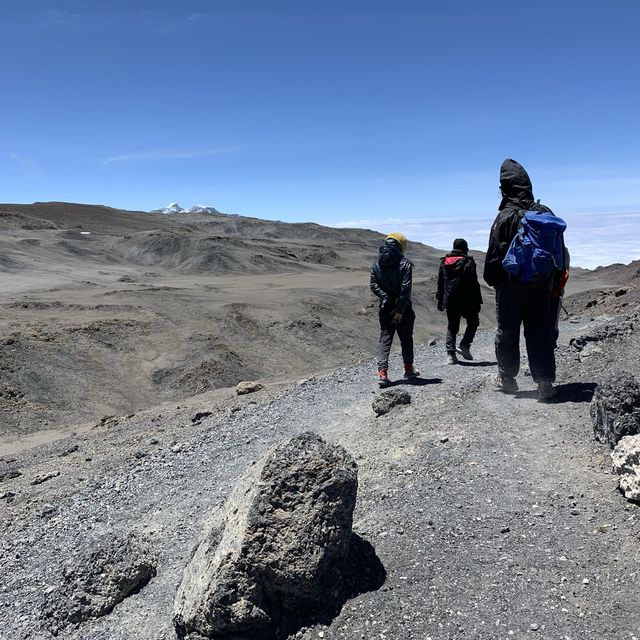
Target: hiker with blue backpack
x=526, y=263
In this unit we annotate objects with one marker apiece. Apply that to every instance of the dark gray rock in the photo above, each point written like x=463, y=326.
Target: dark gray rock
x=615, y=409
x=276, y=551
x=384, y=402
x=100, y=576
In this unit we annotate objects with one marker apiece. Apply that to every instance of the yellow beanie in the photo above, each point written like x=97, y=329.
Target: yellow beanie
x=399, y=238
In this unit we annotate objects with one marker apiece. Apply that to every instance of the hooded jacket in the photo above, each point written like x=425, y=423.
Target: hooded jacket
x=517, y=197
x=458, y=286
x=391, y=276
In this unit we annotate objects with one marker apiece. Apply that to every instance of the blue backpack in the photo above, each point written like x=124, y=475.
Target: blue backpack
x=536, y=251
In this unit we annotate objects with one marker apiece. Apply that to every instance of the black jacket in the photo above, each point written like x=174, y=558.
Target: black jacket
x=517, y=197
x=458, y=286
x=390, y=279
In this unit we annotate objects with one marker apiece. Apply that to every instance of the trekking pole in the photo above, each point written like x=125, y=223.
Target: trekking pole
x=563, y=308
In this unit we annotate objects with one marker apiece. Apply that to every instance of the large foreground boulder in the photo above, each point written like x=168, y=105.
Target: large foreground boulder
x=277, y=549
x=626, y=463
x=615, y=408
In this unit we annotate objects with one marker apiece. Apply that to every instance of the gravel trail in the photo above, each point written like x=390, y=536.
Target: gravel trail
x=494, y=516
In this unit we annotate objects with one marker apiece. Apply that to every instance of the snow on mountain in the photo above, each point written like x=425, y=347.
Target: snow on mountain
x=174, y=207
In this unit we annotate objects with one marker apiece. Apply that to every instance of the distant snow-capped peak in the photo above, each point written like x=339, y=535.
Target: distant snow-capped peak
x=174, y=207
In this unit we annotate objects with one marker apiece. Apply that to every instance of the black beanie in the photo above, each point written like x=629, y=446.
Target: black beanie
x=460, y=244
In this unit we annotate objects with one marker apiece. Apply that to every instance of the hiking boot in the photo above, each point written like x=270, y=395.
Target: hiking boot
x=383, y=380
x=465, y=352
x=452, y=359
x=410, y=372
x=508, y=384
x=546, y=390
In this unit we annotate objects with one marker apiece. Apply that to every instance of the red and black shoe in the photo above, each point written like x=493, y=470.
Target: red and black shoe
x=383, y=380
x=410, y=372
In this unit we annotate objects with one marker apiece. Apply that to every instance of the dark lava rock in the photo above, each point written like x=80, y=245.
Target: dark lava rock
x=276, y=551
x=100, y=576
x=384, y=402
x=615, y=409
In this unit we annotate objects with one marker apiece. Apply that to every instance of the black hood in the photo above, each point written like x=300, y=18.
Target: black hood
x=515, y=185
x=389, y=255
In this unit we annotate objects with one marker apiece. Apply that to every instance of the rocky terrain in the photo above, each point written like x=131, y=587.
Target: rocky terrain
x=105, y=312
x=490, y=515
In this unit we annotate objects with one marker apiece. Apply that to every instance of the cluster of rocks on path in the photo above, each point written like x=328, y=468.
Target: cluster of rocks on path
x=615, y=412
x=279, y=554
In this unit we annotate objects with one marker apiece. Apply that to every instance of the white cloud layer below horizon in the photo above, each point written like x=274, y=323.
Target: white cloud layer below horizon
x=594, y=238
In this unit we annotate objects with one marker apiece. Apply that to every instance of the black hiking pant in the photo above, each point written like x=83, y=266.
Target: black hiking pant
x=531, y=307
x=453, y=326
x=387, y=331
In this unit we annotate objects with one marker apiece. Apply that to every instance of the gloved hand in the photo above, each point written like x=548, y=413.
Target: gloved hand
x=397, y=318
x=440, y=307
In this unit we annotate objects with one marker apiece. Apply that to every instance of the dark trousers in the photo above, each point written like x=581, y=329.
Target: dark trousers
x=387, y=331
x=532, y=308
x=453, y=326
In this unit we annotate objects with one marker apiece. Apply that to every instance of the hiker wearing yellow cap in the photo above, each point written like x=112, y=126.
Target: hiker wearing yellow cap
x=390, y=281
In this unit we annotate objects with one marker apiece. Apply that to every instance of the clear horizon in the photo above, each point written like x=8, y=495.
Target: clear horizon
x=347, y=114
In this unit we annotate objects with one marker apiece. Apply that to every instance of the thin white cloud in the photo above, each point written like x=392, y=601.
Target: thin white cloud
x=26, y=164
x=167, y=154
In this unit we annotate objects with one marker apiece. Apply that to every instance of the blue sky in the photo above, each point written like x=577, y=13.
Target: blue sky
x=389, y=115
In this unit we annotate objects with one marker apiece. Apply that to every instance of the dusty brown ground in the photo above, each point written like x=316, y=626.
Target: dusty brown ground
x=105, y=312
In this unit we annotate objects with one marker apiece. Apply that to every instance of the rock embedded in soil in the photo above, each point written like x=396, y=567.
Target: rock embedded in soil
x=387, y=400
x=626, y=464
x=615, y=409
x=275, y=551
x=98, y=577
x=245, y=387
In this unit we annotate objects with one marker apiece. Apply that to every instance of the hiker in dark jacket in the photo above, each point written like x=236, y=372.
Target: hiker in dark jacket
x=390, y=281
x=519, y=303
x=459, y=293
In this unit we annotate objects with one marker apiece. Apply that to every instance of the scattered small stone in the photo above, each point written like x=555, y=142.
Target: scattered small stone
x=244, y=387
x=534, y=626
x=48, y=510
x=505, y=530
x=200, y=416
x=7, y=494
x=444, y=439
x=620, y=292
x=384, y=402
x=153, y=441
x=140, y=453
x=432, y=342
x=71, y=449
x=10, y=474
x=45, y=477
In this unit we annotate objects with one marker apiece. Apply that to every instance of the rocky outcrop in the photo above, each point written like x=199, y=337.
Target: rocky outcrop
x=615, y=409
x=276, y=552
x=384, y=402
x=626, y=463
x=99, y=577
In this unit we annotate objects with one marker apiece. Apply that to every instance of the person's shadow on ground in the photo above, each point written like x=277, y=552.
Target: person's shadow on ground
x=479, y=363
x=415, y=382
x=570, y=392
